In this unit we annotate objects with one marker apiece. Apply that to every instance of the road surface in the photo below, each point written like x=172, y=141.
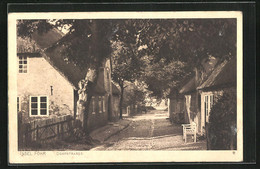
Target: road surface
x=151, y=131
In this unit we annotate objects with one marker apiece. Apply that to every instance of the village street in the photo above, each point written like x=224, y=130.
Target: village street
x=151, y=131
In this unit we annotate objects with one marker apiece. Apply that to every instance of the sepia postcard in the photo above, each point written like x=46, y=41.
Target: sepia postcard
x=105, y=87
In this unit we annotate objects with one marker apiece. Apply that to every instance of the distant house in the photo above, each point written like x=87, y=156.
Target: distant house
x=47, y=84
x=223, y=78
x=191, y=101
x=176, y=107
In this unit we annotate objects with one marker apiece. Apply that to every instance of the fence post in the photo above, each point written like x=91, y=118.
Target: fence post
x=58, y=130
x=20, y=131
x=37, y=133
x=27, y=135
x=62, y=130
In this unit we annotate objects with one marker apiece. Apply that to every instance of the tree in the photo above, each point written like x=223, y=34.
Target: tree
x=175, y=42
x=161, y=77
x=127, y=67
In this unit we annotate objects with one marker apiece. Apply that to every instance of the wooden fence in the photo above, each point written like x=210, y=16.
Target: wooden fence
x=43, y=130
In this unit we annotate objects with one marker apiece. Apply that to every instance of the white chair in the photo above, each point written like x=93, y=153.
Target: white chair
x=189, y=129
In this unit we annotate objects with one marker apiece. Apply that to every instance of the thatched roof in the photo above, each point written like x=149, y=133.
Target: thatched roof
x=189, y=87
x=72, y=72
x=223, y=75
x=27, y=45
x=47, y=39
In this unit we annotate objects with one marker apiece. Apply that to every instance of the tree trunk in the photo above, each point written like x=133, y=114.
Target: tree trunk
x=91, y=76
x=121, y=101
x=86, y=113
x=86, y=87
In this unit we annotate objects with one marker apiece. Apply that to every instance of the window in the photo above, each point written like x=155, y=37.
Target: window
x=208, y=102
x=108, y=71
x=39, y=106
x=211, y=100
x=206, y=105
x=100, y=104
x=23, y=64
x=93, y=104
x=104, y=106
x=18, y=104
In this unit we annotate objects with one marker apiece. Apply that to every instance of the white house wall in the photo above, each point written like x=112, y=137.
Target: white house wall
x=38, y=81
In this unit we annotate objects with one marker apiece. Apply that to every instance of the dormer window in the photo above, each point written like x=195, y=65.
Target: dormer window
x=23, y=64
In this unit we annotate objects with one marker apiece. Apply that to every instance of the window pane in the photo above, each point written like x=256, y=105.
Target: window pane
x=93, y=104
x=20, y=62
x=34, y=105
x=20, y=66
x=99, y=104
x=20, y=71
x=25, y=71
x=25, y=62
x=20, y=57
x=43, y=99
x=43, y=105
x=33, y=99
x=34, y=112
x=104, y=106
x=43, y=111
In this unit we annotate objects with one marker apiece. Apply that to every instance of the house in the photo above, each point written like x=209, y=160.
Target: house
x=198, y=94
x=43, y=91
x=222, y=79
x=176, y=108
x=191, y=101
x=185, y=103
x=47, y=83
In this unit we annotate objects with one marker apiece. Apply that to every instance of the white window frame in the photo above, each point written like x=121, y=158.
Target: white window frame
x=208, y=102
x=39, y=106
x=24, y=57
x=100, y=104
x=93, y=104
x=103, y=105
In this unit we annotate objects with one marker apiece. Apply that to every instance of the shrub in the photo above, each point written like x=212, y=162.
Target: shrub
x=222, y=128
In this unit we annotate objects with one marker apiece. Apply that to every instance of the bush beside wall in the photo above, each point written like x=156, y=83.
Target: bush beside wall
x=222, y=128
